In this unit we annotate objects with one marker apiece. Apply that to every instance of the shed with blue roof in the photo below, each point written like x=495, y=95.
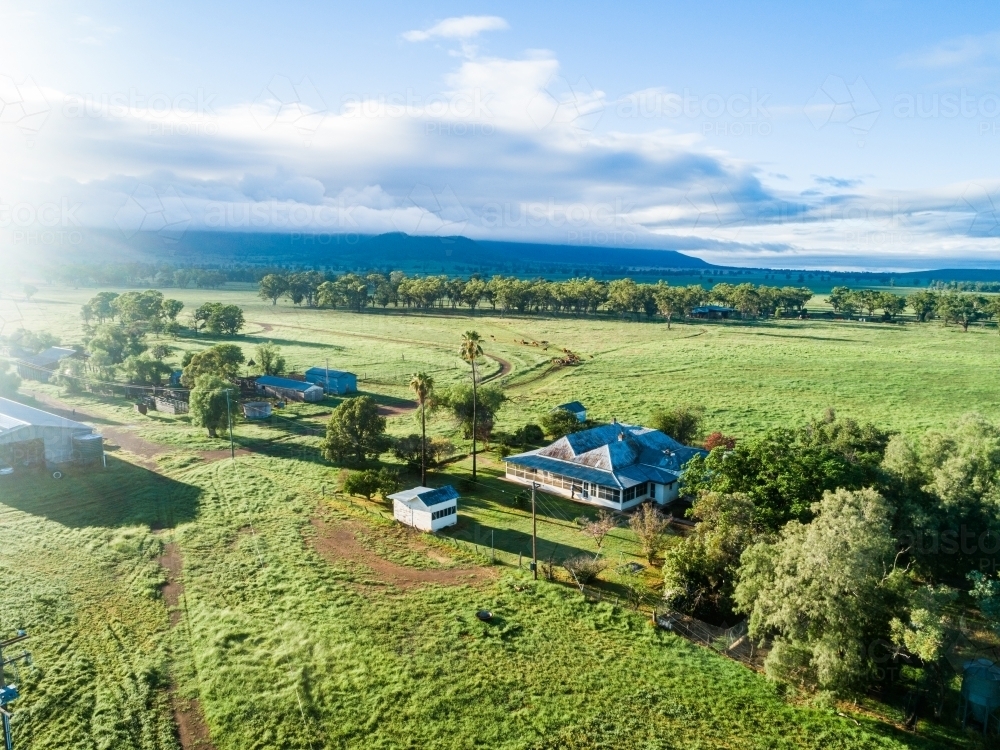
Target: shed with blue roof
x=425, y=508
x=333, y=381
x=294, y=390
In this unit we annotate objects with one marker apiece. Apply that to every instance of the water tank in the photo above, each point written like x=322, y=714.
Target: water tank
x=88, y=448
x=981, y=690
x=257, y=409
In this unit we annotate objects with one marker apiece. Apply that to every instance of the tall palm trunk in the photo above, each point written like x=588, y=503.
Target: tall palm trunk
x=475, y=398
x=423, y=443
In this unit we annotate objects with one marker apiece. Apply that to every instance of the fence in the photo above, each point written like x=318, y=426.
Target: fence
x=734, y=642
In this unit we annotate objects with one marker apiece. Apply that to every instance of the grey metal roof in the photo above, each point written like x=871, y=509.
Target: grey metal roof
x=615, y=455
x=14, y=415
x=51, y=356
x=286, y=383
x=572, y=406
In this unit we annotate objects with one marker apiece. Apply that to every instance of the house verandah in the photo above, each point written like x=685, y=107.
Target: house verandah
x=595, y=493
x=615, y=466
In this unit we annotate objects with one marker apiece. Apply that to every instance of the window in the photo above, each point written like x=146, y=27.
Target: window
x=435, y=515
x=638, y=491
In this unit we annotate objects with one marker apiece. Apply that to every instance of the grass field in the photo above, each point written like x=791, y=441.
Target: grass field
x=308, y=620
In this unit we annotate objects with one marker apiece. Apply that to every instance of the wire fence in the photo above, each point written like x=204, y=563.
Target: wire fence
x=734, y=642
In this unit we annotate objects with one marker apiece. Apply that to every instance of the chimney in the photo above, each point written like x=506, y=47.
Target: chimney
x=621, y=436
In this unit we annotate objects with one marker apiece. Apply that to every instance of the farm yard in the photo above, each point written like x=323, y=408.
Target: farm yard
x=184, y=598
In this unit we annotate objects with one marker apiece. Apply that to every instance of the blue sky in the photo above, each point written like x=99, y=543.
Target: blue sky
x=861, y=135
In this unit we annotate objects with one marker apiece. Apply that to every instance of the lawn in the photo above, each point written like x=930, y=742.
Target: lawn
x=285, y=648
x=289, y=637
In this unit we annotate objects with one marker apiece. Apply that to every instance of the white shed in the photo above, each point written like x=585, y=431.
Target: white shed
x=425, y=508
x=30, y=436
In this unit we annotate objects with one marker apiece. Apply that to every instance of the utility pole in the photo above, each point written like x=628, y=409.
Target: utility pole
x=229, y=416
x=534, y=534
x=9, y=693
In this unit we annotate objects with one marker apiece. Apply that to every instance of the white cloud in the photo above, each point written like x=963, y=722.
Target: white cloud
x=459, y=27
x=956, y=52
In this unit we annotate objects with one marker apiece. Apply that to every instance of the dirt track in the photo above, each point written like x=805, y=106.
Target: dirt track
x=337, y=542
x=192, y=731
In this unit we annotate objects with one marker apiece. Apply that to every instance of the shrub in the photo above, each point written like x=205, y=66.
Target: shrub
x=583, y=568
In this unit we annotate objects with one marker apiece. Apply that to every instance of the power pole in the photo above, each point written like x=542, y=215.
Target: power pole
x=534, y=534
x=9, y=693
x=229, y=417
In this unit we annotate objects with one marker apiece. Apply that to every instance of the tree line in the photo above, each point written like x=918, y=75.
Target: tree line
x=507, y=294
x=961, y=308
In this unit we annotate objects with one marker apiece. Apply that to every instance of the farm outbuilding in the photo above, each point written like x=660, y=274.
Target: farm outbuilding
x=575, y=408
x=41, y=366
x=425, y=508
x=293, y=390
x=333, y=381
x=32, y=437
x=712, y=311
x=257, y=409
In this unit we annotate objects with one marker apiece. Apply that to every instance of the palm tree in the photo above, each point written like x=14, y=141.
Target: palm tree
x=471, y=350
x=422, y=386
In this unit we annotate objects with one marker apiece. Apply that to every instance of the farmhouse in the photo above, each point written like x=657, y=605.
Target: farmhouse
x=575, y=408
x=293, y=390
x=615, y=466
x=712, y=311
x=40, y=366
x=333, y=381
x=32, y=437
x=425, y=508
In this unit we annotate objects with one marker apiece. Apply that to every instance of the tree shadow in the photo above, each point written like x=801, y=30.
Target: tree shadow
x=123, y=494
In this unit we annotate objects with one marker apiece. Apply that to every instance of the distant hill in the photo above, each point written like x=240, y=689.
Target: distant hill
x=395, y=250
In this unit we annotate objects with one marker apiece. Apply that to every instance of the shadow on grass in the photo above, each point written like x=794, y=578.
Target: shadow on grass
x=124, y=494
x=511, y=541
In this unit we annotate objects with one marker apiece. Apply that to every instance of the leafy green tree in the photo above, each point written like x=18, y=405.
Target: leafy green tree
x=699, y=571
x=471, y=350
x=843, y=300
x=222, y=360
x=112, y=344
x=682, y=423
x=650, y=528
x=269, y=358
x=825, y=591
x=962, y=308
x=208, y=403
x=784, y=471
x=462, y=401
x=138, y=307
x=101, y=306
x=356, y=431
x=272, y=287
x=422, y=386
x=669, y=300
x=947, y=487
x=560, y=422
x=9, y=382
x=924, y=304
x=368, y=482
x=216, y=317
x=70, y=375
x=144, y=369
x=891, y=304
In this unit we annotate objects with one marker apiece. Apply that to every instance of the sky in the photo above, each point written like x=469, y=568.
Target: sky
x=849, y=135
